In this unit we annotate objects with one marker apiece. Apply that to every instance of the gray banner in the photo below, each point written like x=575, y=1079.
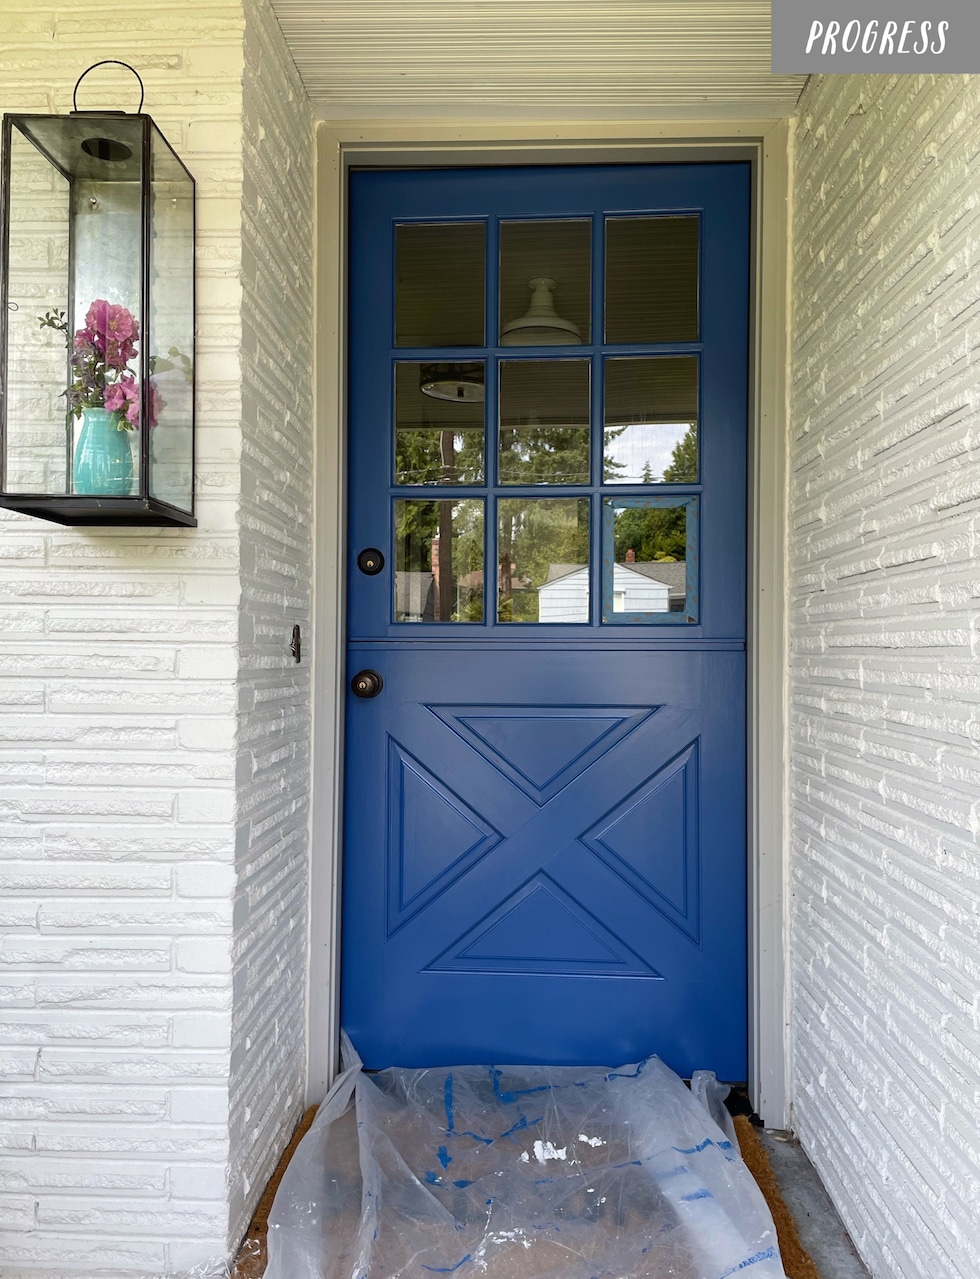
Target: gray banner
x=877, y=36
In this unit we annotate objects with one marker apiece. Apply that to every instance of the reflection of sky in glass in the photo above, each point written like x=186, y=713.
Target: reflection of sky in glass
x=642, y=443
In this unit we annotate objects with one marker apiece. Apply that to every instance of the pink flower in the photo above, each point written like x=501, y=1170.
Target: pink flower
x=118, y=354
x=100, y=353
x=157, y=403
x=124, y=395
x=111, y=322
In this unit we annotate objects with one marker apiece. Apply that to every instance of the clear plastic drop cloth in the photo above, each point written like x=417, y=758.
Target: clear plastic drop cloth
x=525, y=1172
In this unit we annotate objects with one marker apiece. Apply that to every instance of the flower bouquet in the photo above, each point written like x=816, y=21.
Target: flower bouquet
x=105, y=393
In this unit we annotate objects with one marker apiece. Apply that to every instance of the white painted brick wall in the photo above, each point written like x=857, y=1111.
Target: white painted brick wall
x=152, y=731
x=271, y=957
x=886, y=686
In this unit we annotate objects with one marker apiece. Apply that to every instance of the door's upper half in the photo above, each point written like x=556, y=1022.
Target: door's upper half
x=549, y=407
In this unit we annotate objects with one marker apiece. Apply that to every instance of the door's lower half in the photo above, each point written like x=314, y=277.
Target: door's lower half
x=550, y=859
x=545, y=815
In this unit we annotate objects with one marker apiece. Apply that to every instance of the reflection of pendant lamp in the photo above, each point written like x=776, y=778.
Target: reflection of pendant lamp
x=462, y=383
x=541, y=326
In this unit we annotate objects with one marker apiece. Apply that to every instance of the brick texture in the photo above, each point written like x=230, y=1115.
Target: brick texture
x=886, y=691
x=270, y=958
x=153, y=768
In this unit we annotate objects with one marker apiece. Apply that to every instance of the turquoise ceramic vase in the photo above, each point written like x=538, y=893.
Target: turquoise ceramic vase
x=103, y=455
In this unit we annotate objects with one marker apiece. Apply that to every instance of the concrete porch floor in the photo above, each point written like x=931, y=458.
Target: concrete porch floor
x=821, y=1230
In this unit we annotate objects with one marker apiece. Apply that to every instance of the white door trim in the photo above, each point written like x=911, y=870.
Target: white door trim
x=767, y=145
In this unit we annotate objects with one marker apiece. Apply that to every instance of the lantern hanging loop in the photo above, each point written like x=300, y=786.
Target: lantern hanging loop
x=107, y=62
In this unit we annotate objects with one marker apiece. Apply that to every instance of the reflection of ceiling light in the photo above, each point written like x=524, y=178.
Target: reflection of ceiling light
x=541, y=326
x=462, y=383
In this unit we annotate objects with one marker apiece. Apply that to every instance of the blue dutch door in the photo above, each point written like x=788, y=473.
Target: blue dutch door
x=545, y=855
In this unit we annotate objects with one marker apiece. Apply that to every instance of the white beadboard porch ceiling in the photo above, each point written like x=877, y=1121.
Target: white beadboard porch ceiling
x=574, y=60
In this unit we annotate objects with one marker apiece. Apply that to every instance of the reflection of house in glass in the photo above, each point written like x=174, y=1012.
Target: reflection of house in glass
x=438, y=594
x=646, y=587
x=414, y=597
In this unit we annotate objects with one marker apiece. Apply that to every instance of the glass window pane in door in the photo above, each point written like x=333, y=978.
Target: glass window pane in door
x=545, y=282
x=650, y=570
x=439, y=437
x=544, y=421
x=439, y=561
x=651, y=420
x=439, y=283
x=652, y=279
x=543, y=559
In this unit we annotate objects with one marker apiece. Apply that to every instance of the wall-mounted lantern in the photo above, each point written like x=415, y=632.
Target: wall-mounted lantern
x=96, y=320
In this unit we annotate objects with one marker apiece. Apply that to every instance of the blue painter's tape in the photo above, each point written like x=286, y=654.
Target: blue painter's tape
x=521, y=1124
x=487, y=1141
x=619, y=1074
x=447, y=1096
x=508, y=1098
x=694, y=1150
x=448, y=1270
x=768, y=1255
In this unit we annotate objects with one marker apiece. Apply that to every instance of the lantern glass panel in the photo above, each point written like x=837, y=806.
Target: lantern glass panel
x=105, y=256
x=170, y=393
x=37, y=442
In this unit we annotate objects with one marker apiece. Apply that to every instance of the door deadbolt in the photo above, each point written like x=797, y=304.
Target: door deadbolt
x=367, y=684
x=370, y=561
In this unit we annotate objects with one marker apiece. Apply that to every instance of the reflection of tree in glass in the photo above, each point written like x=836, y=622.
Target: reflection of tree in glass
x=465, y=569
x=435, y=455
x=683, y=467
x=534, y=534
x=611, y=468
x=458, y=526
x=659, y=533
x=544, y=455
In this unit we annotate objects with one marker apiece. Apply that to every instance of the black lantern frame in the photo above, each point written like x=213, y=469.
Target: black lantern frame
x=93, y=153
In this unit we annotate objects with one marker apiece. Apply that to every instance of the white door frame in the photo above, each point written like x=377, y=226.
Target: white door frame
x=767, y=144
